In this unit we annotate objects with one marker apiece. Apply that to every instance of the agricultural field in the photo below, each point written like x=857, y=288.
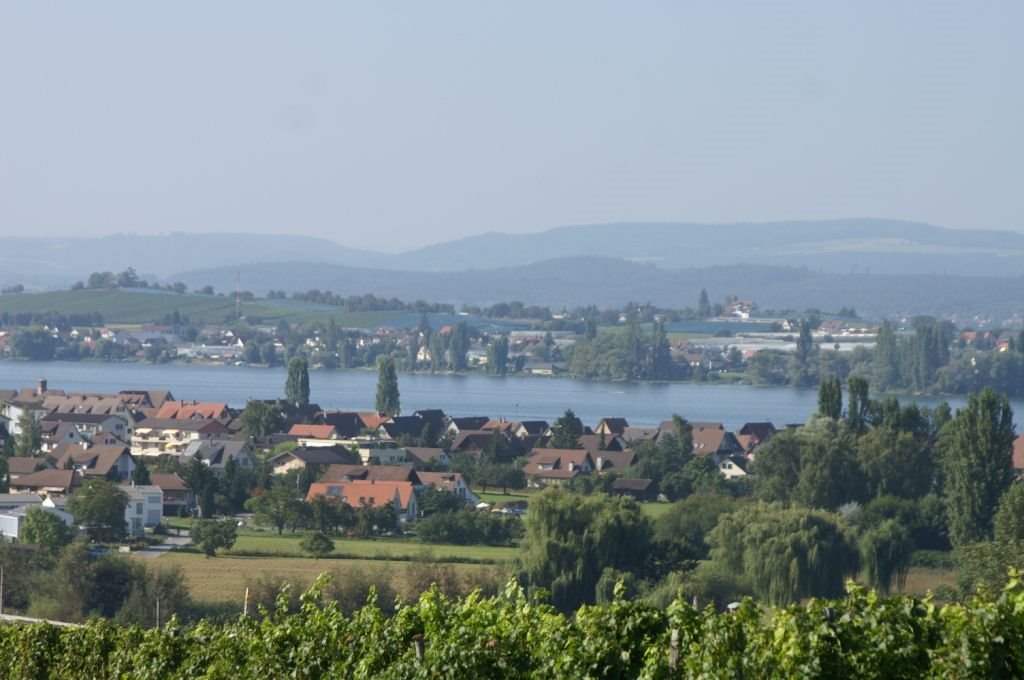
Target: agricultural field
x=288, y=545
x=224, y=578
x=135, y=307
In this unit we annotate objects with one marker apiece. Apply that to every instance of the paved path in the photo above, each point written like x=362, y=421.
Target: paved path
x=170, y=543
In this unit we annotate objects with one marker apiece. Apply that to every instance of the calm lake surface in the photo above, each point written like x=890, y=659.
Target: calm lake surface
x=512, y=397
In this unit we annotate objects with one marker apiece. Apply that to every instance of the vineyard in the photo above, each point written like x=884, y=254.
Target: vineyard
x=510, y=636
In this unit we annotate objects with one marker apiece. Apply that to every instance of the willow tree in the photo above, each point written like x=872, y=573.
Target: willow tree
x=976, y=459
x=785, y=553
x=885, y=555
x=570, y=541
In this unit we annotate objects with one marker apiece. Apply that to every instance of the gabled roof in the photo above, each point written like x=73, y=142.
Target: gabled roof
x=613, y=461
x=24, y=465
x=96, y=460
x=348, y=424
x=218, y=453
x=198, y=425
x=434, y=416
x=314, y=431
x=317, y=455
x=1018, y=453
x=761, y=430
x=379, y=473
x=372, y=419
x=72, y=417
x=423, y=455
x=641, y=434
x=168, y=481
x=709, y=438
x=206, y=410
x=446, y=481
x=592, y=443
x=469, y=423
x=66, y=480
x=613, y=425
x=635, y=485
x=398, y=426
x=534, y=428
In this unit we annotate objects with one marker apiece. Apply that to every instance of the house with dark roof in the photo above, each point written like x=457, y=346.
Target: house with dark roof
x=314, y=459
x=422, y=457
x=216, y=454
x=18, y=466
x=469, y=423
x=178, y=498
x=553, y=467
x=611, y=426
x=90, y=424
x=48, y=482
x=347, y=424
x=114, y=463
x=753, y=435
x=644, y=490
x=613, y=461
x=376, y=473
x=712, y=439
x=639, y=435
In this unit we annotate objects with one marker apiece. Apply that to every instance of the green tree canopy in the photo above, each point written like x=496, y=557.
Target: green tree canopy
x=30, y=435
x=786, y=553
x=571, y=539
x=317, y=544
x=976, y=460
x=100, y=505
x=566, y=432
x=211, y=535
x=296, y=387
x=885, y=555
x=388, y=399
x=46, y=529
x=260, y=419
x=274, y=507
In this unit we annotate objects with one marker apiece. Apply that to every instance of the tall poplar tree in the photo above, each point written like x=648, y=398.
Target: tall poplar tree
x=830, y=398
x=976, y=458
x=296, y=388
x=388, y=400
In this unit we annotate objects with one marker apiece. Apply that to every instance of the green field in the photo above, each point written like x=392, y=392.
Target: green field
x=127, y=307
x=288, y=545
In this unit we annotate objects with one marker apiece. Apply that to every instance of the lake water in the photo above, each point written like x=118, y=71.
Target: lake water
x=513, y=398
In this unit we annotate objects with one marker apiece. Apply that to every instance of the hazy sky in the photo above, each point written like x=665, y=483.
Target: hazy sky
x=390, y=125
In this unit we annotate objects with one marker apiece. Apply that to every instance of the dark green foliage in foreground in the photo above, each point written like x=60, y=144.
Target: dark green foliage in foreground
x=861, y=635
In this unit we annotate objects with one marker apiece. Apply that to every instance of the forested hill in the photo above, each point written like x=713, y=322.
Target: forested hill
x=608, y=282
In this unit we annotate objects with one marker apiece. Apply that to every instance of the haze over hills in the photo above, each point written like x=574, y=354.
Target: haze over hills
x=609, y=282
x=878, y=266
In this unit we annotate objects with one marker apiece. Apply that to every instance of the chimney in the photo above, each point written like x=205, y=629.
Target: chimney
x=600, y=463
x=41, y=387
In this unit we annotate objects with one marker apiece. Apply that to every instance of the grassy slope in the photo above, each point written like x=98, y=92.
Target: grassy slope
x=139, y=307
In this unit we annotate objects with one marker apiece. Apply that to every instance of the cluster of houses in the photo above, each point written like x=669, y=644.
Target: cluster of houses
x=361, y=458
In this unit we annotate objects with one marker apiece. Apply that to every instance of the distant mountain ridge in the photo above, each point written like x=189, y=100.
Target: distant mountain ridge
x=840, y=246
x=913, y=267
x=609, y=282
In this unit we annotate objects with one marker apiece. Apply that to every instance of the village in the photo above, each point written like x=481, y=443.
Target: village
x=360, y=458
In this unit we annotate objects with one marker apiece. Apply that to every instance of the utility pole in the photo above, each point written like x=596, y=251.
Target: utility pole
x=158, y=612
x=1, y=590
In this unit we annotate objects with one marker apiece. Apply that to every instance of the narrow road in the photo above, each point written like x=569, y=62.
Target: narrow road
x=170, y=543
